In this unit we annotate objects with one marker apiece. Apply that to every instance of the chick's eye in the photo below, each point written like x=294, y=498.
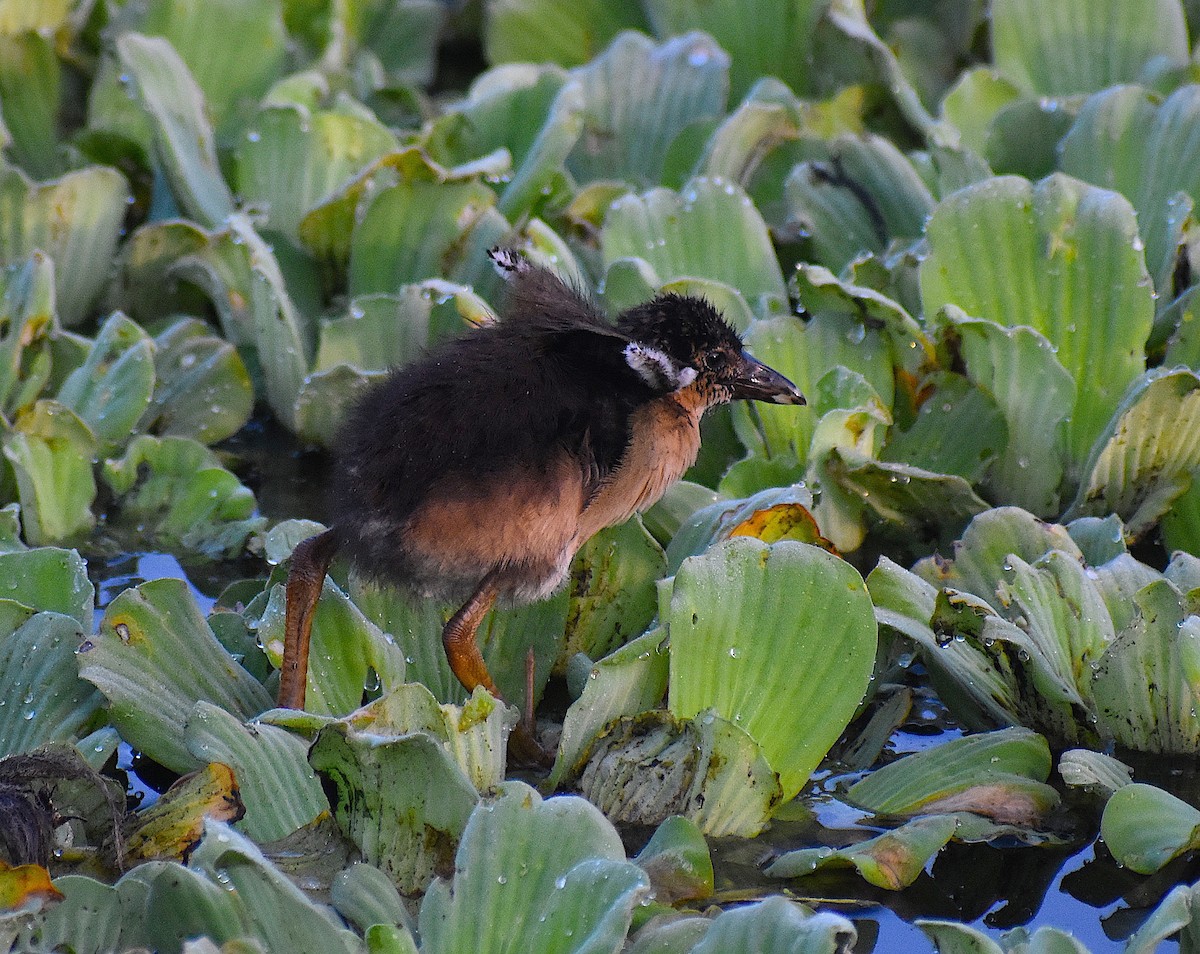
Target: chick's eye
x=714, y=361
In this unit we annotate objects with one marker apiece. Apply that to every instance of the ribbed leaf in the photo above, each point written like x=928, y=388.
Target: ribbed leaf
x=93, y=918
x=401, y=800
x=1146, y=683
x=290, y=160
x=777, y=924
x=47, y=578
x=630, y=680
x=567, y=32
x=51, y=451
x=76, y=220
x=1093, y=771
x=579, y=897
x=1129, y=140
x=176, y=488
x=153, y=658
x=637, y=97
x=43, y=697
x=1061, y=257
x=182, y=134
x=408, y=230
x=1148, y=455
x=1018, y=368
x=776, y=41
x=112, y=388
x=348, y=652
x=30, y=86
x=739, y=609
x=202, y=389
x=364, y=895
x=613, y=594
x=708, y=230
x=277, y=786
x=996, y=762
x=233, y=65
x=1081, y=46
x=865, y=195
x=276, y=912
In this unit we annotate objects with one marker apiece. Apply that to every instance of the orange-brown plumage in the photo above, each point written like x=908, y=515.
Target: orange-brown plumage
x=480, y=470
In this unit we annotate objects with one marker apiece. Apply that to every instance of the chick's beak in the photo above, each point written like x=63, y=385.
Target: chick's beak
x=756, y=382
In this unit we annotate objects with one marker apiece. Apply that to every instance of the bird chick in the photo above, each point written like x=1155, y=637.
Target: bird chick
x=478, y=471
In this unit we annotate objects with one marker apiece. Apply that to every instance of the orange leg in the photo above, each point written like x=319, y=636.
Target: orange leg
x=310, y=560
x=458, y=639
x=466, y=662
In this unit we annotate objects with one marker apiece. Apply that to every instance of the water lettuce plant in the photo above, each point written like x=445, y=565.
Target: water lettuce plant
x=968, y=237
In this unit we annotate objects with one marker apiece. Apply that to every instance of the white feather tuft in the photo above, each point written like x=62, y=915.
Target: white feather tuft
x=507, y=262
x=657, y=368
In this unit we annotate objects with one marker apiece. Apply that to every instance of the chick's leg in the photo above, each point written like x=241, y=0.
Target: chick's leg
x=310, y=560
x=466, y=662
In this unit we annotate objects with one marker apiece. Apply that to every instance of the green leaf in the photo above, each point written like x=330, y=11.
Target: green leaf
x=959, y=430
x=1130, y=140
x=277, y=786
x=30, y=87
x=973, y=101
x=242, y=277
x=1093, y=771
x=777, y=41
x=76, y=220
x=1145, y=683
x=235, y=65
x=630, y=680
x=400, y=799
x=290, y=160
x=177, y=488
x=112, y=388
x=892, y=860
x=182, y=134
x=1061, y=257
x=1145, y=458
x=678, y=862
x=736, y=610
x=710, y=229
x=409, y=230
x=567, y=32
x=474, y=734
x=952, y=937
x=1035, y=393
x=47, y=578
x=647, y=767
x=638, y=96
x=1173, y=918
x=1145, y=827
x=153, y=658
x=26, y=345
x=347, y=655
x=578, y=897
x=202, y=389
x=777, y=924
x=999, y=774
x=273, y=909
x=613, y=593
x=51, y=452
x=1086, y=45
x=44, y=697
x=863, y=196
x=364, y=895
